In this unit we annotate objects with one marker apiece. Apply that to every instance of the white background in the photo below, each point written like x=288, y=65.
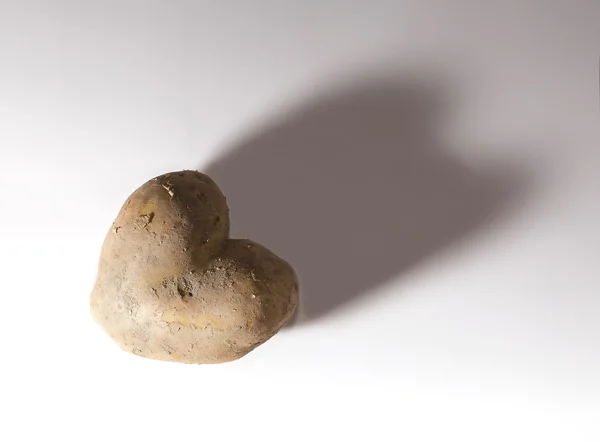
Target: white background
x=490, y=331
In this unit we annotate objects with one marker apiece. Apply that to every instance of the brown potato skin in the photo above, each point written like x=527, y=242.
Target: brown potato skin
x=172, y=286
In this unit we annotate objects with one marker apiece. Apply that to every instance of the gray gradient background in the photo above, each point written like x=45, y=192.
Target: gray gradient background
x=429, y=167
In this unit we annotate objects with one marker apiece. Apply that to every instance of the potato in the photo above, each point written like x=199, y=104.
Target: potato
x=171, y=285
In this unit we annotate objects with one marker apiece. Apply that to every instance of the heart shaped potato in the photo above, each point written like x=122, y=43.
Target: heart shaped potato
x=171, y=285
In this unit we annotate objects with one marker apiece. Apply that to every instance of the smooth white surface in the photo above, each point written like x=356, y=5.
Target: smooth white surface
x=496, y=337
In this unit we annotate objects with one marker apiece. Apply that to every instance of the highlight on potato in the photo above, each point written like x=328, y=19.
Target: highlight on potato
x=172, y=285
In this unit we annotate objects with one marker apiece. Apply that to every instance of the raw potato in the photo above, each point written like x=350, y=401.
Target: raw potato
x=172, y=286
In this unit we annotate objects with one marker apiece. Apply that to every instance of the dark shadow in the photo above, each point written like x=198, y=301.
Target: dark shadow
x=353, y=189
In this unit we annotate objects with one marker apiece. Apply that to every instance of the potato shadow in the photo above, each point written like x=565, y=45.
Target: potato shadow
x=354, y=188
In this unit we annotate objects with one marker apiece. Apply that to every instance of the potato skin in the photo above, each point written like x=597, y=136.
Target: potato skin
x=172, y=286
